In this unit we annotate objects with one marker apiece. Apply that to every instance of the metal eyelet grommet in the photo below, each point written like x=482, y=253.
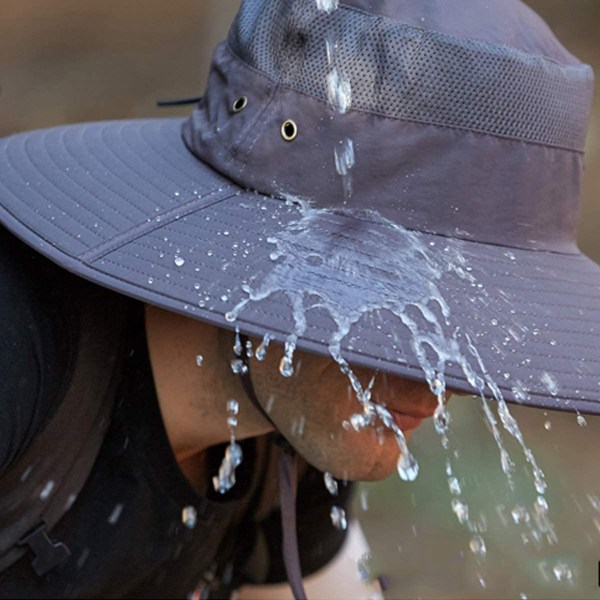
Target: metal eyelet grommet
x=289, y=130
x=240, y=104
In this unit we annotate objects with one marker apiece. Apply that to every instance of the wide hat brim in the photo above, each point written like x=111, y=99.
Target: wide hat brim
x=128, y=206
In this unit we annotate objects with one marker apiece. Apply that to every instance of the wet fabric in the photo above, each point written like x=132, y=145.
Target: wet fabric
x=125, y=531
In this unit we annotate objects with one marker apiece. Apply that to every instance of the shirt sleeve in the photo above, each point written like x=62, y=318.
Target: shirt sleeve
x=318, y=540
x=33, y=346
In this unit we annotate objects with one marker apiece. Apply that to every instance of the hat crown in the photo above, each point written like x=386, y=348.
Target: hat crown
x=490, y=123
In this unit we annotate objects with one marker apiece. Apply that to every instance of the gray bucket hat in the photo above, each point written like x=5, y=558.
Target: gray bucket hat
x=392, y=182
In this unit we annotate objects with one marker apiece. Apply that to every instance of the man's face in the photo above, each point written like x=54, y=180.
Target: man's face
x=310, y=408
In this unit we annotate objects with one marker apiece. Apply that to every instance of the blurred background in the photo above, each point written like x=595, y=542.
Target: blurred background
x=67, y=61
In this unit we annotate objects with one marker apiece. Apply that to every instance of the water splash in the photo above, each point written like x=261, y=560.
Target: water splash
x=349, y=247
x=339, y=96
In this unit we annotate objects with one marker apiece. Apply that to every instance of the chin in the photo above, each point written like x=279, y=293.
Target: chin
x=349, y=455
x=363, y=463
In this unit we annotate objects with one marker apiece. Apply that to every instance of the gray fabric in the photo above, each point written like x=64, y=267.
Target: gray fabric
x=411, y=73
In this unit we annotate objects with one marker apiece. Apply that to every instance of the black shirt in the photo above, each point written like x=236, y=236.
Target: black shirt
x=126, y=530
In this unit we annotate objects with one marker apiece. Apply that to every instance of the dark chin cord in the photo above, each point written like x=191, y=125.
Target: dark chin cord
x=288, y=483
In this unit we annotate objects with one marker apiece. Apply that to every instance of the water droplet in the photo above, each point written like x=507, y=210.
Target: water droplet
x=477, y=546
x=454, y=486
x=507, y=464
x=359, y=421
x=199, y=360
x=594, y=501
x=441, y=419
x=338, y=517
x=179, y=261
x=550, y=383
x=364, y=500
x=150, y=280
x=237, y=346
x=562, y=572
x=581, y=421
x=26, y=473
x=331, y=484
x=548, y=425
x=339, y=91
x=189, y=517
x=461, y=510
x=226, y=477
x=520, y=514
x=45, y=493
x=286, y=366
x=70, y=501
x=541, y=504
x=408, y=468
x=116, y=514
x=238, y=367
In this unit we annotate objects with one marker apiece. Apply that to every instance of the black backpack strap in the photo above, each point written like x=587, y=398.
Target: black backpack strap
x=288, y=482
x=41, y=486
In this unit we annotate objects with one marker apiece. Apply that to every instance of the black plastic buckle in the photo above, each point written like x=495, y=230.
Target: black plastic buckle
x=48, y=554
